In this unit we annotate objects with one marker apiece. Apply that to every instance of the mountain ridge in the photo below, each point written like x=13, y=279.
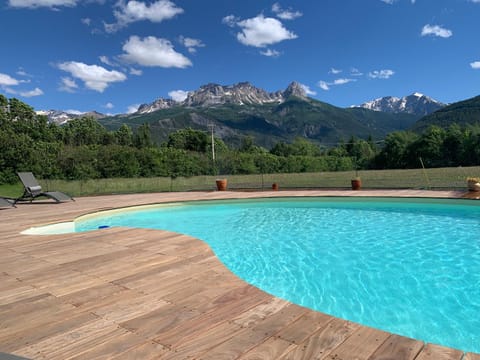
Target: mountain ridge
x=416, y=104
x=212, y=94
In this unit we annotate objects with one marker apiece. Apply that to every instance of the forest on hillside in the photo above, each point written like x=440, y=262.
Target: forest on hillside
x=84, y=149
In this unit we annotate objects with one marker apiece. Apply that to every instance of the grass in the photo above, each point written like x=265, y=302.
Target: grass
x=441, y=178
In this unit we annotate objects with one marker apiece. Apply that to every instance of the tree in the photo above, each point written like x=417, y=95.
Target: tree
x=124, y=135
x=83, y=131
x=453, y=148
x=396, y=150
x=189, y=139
x=428, y=147
x=143, y=137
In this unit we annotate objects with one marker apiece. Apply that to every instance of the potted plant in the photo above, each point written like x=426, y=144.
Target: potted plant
x=356, y=183
x=473, y=183
x=221, y=184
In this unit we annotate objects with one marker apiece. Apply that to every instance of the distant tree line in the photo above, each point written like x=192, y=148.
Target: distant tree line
x=84, y=149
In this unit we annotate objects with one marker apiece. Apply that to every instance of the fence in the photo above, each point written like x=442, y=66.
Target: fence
x=438, y=178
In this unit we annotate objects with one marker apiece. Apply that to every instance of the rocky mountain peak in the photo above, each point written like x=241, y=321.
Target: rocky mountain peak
x=295, y=89
x=158, y=104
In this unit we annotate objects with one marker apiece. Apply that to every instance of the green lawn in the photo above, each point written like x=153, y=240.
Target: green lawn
x=441, y=178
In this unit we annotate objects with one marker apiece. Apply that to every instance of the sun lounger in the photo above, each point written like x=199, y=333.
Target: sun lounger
x=6, y=203
x=34, y=190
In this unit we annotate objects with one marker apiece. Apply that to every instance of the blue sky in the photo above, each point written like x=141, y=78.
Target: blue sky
x=111, y=56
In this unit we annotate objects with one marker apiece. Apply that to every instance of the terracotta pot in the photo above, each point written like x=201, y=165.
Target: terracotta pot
x=473, y=185
x=221, y=184
x=274, y=186
x=356, y=184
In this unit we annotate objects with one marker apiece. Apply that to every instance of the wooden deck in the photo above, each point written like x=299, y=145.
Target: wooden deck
x=145, y=294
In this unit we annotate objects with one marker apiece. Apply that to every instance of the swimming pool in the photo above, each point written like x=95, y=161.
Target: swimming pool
x=411, y=267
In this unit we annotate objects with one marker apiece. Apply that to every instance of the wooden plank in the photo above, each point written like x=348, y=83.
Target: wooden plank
x=322, y=342
x=251, y=337
x=18, y=293
x=199, y=343
x=471, y=356
x=119, y=345
x=160, y=320
x=146, y=351
x=246, y=298
x=75, y=341
x=31, y=334
x=437, y=352
x=260, y=312
x=363, y=343
x=60, y=281
x=304, y=327
x=398, y=347
x=128, y=306
x=272, y=349
x=91, y=297
x=25, y=312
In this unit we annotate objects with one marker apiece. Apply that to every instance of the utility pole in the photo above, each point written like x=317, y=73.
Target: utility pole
x=211, y=126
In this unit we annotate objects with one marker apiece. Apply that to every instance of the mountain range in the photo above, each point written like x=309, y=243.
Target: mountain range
x=416, y=104
x=242, y=93
x=243, y=109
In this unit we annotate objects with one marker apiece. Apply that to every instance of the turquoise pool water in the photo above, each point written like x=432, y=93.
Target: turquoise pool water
x=411, y=267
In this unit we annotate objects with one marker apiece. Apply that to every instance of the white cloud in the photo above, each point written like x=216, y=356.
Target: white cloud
x=390, y=2
x=261, y=31
x=133, y=108
x=335, y=71
x=191, y=44
x=343, y=81
x=9, y=91
x=136, y=72
x=22, y=72
x=436, y=30
x=152, y=51
x=68, y=85
x=270, y=53
x=381, y=74
x=476, y=64
x=307, y=90
x=95, y=77
x=41, y=3
x=7, y=80
x=326, y=85
x=109, y=105
x=323, y=85
x=36, y=92
x=230, y=20
x=178, y=95
x=132, y=11
x=355, y=72
x=104, y=59
x=285, y=14
x=86, y=21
